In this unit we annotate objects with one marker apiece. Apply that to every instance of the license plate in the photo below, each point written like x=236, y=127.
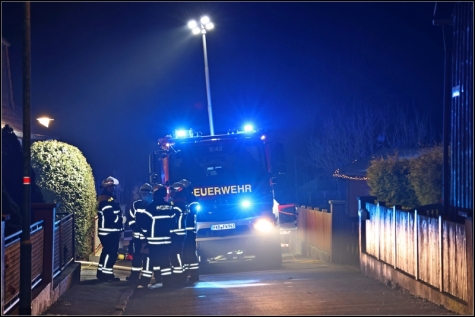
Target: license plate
x=224, y=226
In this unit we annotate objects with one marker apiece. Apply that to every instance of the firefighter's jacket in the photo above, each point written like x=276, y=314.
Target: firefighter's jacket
x=182, y=211
x=190, y=222
x=109, y=214
x=157, y=222
x=131, y=218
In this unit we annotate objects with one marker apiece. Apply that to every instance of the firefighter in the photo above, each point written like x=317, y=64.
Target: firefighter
x=157, y=222
x=179, y=201
x=137, y=238
x=110, y=227
x=190, y=254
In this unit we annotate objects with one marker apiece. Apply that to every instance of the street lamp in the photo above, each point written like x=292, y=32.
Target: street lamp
x=205, y=24
x=44, y=121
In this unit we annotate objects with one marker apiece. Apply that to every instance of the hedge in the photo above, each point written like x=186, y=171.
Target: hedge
x=65, y=177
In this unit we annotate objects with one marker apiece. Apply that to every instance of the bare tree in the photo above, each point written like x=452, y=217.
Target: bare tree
x=350, y=134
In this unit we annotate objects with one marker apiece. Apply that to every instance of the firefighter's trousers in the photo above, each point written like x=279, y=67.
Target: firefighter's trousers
x=110, y=249
x=138, y=258
x=190, y=257
x=157, y=263
x=176, y=259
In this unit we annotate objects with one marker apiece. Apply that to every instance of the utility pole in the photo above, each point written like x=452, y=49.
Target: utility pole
x=25, y=246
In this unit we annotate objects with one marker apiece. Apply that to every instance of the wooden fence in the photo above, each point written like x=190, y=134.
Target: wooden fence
x=331, y=234
x=427, y=247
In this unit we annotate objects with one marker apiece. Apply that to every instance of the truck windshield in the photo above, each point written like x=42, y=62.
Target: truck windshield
x=217, y=163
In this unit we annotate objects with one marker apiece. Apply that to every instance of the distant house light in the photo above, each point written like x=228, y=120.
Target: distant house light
x=456, y=91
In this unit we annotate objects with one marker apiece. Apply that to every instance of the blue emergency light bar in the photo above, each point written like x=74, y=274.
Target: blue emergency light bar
x=183, y=133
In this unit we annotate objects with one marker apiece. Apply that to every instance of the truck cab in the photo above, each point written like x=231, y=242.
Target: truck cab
x=233, y=177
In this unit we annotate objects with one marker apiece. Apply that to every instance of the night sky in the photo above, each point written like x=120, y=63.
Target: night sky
x=117, y=76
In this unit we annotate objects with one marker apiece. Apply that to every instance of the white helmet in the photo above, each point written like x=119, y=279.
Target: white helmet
x=146, y=187
x=109, y=181
x=185, y=182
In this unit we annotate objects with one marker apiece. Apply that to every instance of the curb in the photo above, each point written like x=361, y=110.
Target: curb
x=123, y=300
x=121, y=303
x=117, y=267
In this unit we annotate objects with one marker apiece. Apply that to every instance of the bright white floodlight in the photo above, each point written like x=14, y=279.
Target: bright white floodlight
x=192, y=24
x=204, y=20
x=209, y=26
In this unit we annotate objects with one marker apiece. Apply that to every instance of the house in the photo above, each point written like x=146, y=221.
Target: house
x=355, y=175
x=316, y=193
x=12, y=115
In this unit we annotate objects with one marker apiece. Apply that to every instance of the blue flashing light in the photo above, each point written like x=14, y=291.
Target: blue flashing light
x=246, y=203
x=181, y=133
x=248, y=128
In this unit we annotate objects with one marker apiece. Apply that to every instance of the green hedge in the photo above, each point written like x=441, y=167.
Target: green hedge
x=426, y=175
x=389, y=182
x=408, y=182
x=65, y=177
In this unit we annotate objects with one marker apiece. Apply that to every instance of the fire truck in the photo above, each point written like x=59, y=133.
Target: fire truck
x=234, y=176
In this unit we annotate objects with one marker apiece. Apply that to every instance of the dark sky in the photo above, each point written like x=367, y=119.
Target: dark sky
x=117, y=76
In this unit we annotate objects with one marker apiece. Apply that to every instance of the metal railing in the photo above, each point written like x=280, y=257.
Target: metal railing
x=11, y=281
x=43, y=267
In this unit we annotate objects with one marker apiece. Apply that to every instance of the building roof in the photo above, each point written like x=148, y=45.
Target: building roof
x=12, y=115
x=317, y=185
x=357, y=169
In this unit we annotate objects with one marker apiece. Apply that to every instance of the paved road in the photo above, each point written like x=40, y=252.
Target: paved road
x=300, y=287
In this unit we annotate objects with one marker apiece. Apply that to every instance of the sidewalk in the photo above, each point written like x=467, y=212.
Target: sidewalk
x=92, y=297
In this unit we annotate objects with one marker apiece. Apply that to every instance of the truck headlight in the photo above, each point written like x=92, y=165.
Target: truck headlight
x=263, y=225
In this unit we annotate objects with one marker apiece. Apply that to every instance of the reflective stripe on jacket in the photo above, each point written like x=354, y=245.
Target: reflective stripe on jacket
x=157, y=222
x=109, y=215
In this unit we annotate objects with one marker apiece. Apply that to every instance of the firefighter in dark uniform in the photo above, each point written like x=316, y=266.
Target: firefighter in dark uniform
x=137, y=238
x=179, y=201
x=190, y=254
x=157, y=222
x=110, y=227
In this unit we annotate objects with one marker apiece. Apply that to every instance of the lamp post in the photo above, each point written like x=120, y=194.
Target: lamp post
x=44, y=121
x=205, y=24
x=26, y=246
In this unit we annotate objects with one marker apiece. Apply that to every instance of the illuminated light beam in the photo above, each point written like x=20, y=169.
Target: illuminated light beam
x=229, y=284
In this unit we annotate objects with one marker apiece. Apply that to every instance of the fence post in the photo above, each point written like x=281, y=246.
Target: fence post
x=4, y=218
x=441, y=256
x=363, y=215
x=394, y=237
x=416, y=247
x=378, y=212
x=469, y=252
